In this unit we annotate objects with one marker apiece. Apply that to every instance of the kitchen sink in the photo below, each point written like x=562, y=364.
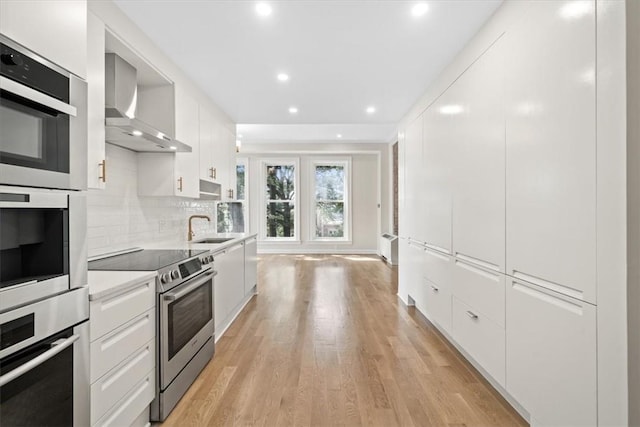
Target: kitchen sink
x=214, y=240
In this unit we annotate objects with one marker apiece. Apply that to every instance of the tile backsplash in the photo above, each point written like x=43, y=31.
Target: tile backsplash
x=118, y=218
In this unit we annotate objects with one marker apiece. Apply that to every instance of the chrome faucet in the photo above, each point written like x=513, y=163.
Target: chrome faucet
x=190, y=234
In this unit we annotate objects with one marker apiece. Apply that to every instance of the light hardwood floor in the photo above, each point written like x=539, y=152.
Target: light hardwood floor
x=326, y=342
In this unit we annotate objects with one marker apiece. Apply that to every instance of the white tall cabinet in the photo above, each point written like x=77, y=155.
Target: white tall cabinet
x=503, y=204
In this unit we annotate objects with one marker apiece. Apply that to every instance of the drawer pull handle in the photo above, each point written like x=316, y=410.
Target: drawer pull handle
x=472, y=315
x=435, y=289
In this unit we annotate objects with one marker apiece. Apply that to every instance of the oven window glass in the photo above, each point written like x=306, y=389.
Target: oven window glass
x=188, y=315
x=34, y=245
x=33, y=136
x=44, y=395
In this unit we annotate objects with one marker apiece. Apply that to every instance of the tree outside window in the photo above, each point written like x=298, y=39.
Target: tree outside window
x=330, y=200
x=280, y=200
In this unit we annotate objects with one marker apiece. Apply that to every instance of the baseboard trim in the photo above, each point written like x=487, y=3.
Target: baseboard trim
x=302, y=251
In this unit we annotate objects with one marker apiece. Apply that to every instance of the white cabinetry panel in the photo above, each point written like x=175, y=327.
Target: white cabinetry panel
x=435, y=189
x=95, y=102
x=250, y=264
x=187, y=132
x=551, y=355
x=413, y=182
x=481, y=337
x=551, y=146
x=55, y=30
x=477, y=111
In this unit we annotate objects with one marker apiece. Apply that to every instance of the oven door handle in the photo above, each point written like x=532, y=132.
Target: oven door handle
x=37, y=97
x=56, y=347
x=172, y=296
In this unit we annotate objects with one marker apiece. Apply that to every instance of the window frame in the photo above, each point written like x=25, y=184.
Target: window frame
x=264, y=164
x=245, y=202
x=347, y=164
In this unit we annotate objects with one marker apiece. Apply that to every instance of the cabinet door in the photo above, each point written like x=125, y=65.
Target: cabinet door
x=413, y=184
x=415, y=274
x=96, y=154
x=551, y=355
x=221, y=292
x=230, y=143
x=250, y=265
x=435, y=190
x=551, y=147
x=479, y=161
x=55, y=30
x=187, y=131
x=437, y=283
x=207, y=130
x=221, y=157
x=236, y=292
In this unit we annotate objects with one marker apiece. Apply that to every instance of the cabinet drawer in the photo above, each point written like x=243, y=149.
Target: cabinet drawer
x=112, y=311
x=481, y=289
x=437, y=267
x=127, y=409
x=438, y=304
x=115, y=384
x=481, y=337
x=551, y=355
x=112, y=348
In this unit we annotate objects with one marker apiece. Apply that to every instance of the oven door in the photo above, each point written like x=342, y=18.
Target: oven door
x=44, y=363
x=41, y=136
x=42, y=250
x=186, y=324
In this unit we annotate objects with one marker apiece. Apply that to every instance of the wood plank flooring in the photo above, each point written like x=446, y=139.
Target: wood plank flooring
x=326, y=342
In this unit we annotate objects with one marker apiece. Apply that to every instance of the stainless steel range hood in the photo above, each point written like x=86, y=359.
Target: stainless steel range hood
x=121, y=126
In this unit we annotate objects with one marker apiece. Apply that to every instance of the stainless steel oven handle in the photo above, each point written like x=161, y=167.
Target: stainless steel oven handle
x=176, y=295
x=37, y=97
x=56, y=348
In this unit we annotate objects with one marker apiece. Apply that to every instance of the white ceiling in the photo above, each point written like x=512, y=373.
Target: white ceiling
x=341, y=56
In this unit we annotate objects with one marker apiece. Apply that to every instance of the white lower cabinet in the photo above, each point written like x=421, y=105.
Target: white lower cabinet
x=551, y=355
x=482, y=338
x=482, y=289
x=250, y=265
x=122, y=354
x=229, y=286
x=437, y=284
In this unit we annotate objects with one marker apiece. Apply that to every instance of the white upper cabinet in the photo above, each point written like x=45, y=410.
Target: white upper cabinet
x=55, y=30
x=217, y=153
x=412, y=187
x=477, y=114
x=551, y=148
x=435, y=189
x=174, y=174
x=96, y=168
x=207, y=169
x=187, y=131
x=228, y=151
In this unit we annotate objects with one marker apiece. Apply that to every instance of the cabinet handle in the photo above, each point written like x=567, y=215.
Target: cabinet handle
x=230, y=193
x=472, y=315
x=435, y=289
x=180, y=184
x=212, y=173
x=103, y=169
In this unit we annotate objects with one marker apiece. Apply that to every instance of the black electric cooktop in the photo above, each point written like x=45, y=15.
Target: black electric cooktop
x=144, y=260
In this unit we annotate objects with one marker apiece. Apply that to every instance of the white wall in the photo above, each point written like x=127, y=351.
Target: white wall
x=118, y=218
x=369, y=187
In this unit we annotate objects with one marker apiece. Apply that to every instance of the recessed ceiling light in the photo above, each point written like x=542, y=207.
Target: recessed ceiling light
x=263, y=9
x=293, y=110
x=136, y=133
x=371, y=110
x=451, y=109
x=283, y=77
x=419, y=9
x=339, y=135
x=173, y=147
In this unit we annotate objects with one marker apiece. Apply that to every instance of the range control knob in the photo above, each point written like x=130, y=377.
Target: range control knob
x=165, y=278
x=210, y=258
x=205, y=260
x=175, y=274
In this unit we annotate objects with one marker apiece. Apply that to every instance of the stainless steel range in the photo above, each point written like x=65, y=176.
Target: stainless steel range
x=185, y=316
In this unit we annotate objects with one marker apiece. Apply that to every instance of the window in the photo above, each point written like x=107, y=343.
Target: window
x=330, y=200
x=230, y=216
x=280, y=215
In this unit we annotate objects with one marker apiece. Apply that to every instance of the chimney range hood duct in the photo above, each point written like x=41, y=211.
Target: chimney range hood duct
x=121, y=126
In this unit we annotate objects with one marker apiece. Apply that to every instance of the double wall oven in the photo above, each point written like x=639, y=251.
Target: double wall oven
x=44, y=308
x=185, y=316
x=44, y=304
x=43, y=142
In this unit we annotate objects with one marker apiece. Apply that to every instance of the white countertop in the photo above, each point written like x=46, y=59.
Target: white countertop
x=235, y=238
x=104, y=283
